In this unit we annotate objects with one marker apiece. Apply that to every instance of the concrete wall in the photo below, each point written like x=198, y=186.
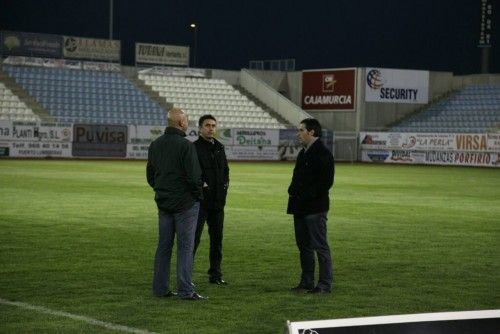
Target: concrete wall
x=231, y=77
x=372, y=116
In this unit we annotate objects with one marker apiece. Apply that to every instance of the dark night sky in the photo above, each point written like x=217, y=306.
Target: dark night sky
x=438, y=35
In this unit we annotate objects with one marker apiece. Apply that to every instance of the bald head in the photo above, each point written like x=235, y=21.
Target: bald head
x=177, y=118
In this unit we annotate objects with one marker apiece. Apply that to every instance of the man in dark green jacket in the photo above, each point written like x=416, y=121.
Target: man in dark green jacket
x=173, y=171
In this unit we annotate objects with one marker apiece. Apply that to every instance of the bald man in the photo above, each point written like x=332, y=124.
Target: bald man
x=173, y=171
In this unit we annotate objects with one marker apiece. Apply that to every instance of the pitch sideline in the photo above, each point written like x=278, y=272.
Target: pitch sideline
x=95, y=322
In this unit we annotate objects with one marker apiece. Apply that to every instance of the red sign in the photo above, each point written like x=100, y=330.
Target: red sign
x=329, y=89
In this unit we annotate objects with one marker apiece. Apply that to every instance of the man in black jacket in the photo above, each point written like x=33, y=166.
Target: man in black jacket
x=215, y=179
x=174, y=173
x=309, y=203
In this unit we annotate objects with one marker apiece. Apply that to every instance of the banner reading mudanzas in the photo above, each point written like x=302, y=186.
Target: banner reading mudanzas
x=464, y=149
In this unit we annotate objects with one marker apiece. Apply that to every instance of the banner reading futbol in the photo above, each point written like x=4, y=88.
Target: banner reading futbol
x=333, y=89
x=396, y=86
x=162, y=54
x=465, y=149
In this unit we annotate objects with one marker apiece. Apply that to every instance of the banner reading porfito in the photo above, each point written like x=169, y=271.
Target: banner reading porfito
x=91, y=48
x=459, y=158
x=464, y=149
x=396, y=86
x=331, y=89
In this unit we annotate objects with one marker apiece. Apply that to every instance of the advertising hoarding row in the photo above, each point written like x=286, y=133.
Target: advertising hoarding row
x=56, y=46
x=463, y=149
x=19, y=139
x=15, y=43
x=335, y=89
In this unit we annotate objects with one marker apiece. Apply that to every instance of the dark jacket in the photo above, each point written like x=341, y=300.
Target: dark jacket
x=215, y=172
x=173, y=171
x=312, y=178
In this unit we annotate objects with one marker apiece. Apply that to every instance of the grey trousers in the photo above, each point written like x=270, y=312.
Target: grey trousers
x=184, y=225
x=310, y=235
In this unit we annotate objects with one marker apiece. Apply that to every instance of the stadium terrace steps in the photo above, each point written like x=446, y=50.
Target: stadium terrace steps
x=476, y=108
x=200, y=96
x=17, y=105
x=72, y=95
x=264, y=107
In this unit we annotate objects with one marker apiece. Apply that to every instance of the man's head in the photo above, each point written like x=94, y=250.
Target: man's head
x=309, y=129
x=178, y=119
x=207, y=125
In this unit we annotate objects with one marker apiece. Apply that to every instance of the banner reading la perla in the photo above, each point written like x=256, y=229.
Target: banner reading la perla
x=463, y=149
x=472, y=142
x=396, y=86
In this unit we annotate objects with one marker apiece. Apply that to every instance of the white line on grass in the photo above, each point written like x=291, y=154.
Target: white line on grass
x=95, y=322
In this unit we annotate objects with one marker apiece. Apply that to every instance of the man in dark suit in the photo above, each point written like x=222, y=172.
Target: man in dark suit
x=215, y=178
x=309, y=203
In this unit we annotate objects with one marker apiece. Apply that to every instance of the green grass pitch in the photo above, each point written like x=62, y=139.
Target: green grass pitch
x=79, y=237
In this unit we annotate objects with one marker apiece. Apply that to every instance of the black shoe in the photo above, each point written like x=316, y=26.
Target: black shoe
x=195, y=296
x=168, y=294
x=300, y=289
x=218, y=281
x=318, y=290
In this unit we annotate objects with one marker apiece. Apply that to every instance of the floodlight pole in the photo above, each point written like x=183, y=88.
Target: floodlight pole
x=110, y=19
x=195, y=40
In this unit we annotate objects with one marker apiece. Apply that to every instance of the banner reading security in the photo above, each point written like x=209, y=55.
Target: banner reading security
x=396, y=86
x=162, y=54
x=333, y=89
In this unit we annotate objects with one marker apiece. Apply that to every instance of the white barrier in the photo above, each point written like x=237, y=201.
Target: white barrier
x=466, y=322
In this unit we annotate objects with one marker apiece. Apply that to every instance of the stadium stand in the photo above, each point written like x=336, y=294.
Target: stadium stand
x=474, y=109
x=199, y=96
x=11, y=108
x=72, y=95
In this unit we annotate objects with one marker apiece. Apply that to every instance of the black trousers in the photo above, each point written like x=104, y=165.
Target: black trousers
x=311, y=238
x=215, y=222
